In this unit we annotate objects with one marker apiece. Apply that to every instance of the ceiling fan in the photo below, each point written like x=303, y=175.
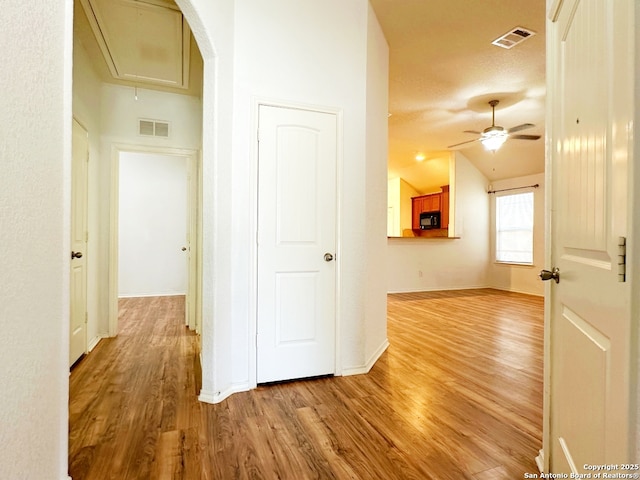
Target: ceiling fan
x=494, y=136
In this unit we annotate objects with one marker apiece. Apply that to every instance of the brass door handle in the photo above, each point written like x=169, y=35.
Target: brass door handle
x=328, y=257
x=76, y=255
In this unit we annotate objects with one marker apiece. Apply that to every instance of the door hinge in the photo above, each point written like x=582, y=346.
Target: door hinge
x=86, y=236
x=622, y=259
x=86, y=318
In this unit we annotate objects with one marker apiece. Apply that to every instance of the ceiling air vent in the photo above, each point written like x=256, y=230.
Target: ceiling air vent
x=153, y=128
x=513, y=38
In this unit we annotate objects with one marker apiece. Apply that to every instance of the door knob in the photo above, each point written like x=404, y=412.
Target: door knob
x=548, y=275
x=184, y=249
x=328, y=257
x=76, y=255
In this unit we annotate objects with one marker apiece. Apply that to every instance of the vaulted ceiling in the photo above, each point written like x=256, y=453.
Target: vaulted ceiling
x=443, y=72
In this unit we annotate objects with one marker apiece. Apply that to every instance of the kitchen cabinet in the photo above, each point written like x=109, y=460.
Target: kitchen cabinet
x=423, y=203
x=435, y=202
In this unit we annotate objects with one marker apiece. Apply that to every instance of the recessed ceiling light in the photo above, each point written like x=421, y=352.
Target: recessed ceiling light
x=420, y=157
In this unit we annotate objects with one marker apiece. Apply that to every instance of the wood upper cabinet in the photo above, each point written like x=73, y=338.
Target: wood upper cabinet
x=416, y=208
x=435, y=202
x=431, y=203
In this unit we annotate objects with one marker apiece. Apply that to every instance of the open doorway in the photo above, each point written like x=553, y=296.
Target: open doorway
x=154, y=240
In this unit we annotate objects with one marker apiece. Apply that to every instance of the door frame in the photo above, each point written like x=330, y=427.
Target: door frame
x=258, y=102
x=542, y=460
x=194, y=161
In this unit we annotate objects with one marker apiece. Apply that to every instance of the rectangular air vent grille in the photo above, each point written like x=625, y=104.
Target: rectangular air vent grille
x=513, y=38
x=153, y=128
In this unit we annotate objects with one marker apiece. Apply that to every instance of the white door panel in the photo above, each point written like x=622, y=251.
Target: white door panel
x=295, y=307
x=296, y=227
x=590, y=320
x=153, y=224
x=79, y=206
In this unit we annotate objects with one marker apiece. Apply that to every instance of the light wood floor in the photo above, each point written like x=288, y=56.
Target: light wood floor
x=458, y=395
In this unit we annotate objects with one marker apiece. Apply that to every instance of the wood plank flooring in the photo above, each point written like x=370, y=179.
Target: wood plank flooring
x=458, y=395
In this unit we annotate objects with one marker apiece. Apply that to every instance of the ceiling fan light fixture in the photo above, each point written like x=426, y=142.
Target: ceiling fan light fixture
x=494, y=136
x=492, y=141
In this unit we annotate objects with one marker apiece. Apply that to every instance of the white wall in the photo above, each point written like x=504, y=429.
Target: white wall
x=375, y=298
x=422, y=264
x=213, y=25
x=152, y=225
x=86, y=109
x=520, y=278
x=121, y=111
x=35, y=154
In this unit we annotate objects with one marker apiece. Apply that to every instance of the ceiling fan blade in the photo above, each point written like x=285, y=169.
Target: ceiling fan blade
x=518, y=128
x=472, y=131
x=525, y=137
x=463, y=143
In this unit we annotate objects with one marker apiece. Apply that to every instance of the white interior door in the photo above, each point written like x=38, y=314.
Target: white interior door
x=79, y=208
x=591, y=80
x=297, y=156
x=153, y=224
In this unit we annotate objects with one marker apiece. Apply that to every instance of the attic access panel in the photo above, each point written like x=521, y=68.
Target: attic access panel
x=141, y=41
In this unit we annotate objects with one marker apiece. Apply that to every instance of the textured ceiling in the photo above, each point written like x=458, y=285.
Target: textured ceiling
x=443, y=72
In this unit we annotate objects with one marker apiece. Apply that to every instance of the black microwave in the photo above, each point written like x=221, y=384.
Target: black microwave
x=429, y=220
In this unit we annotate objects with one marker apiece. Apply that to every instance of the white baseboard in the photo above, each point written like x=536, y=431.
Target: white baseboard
x=517, y=291
x=440, y=289
x=540, y=461
x=94, y=342
x=207, y=397
x=144, y=295
x=444, y=289
x=217, y=397
x=369, y=365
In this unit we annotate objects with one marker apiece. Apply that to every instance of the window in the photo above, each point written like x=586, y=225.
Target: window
x=514, y=228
